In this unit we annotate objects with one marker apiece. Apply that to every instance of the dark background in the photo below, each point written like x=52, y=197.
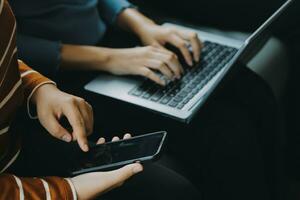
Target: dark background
x=246, y=16
x=230, y=14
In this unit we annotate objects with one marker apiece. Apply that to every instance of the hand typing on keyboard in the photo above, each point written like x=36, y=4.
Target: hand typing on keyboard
x=187, y=42
x=151, y=34
x=145, y=61
x=177, y=94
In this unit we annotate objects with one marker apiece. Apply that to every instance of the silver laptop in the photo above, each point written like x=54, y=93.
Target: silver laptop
x=182, y=99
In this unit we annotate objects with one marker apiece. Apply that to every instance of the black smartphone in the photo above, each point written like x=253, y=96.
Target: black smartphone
x=116, y=154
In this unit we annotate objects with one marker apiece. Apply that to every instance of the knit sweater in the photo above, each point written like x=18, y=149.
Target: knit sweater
x=17, y=84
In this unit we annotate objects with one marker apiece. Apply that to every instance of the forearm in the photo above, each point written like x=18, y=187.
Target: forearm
x=133, y=21
x=79, y=57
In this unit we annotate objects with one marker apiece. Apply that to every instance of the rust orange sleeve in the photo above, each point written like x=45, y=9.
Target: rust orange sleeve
x=13, y=187
x=31, y=78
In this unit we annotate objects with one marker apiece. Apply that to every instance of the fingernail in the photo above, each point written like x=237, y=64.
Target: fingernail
x=66, y=138
x=137, y=169
x=85, y=148
x=102, y=140
x=191, y=63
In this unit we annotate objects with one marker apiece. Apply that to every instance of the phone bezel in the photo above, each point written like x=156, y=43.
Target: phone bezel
x=123, y=163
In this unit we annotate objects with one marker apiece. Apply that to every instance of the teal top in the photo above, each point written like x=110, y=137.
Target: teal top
x=43, y=25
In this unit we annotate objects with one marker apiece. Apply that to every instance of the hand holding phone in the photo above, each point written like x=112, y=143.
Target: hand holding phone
x=94, y=184
x=116, y=154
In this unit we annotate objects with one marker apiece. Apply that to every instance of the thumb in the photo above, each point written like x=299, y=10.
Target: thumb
x=55, y=129
x=120, y=175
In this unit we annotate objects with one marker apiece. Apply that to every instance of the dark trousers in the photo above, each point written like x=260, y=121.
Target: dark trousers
x=292, y=101
x=230, y=150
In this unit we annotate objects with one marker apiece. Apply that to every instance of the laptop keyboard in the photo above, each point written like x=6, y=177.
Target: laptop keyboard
x=177, y=94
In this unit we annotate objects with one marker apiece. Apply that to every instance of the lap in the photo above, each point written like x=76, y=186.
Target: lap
x=233, y=133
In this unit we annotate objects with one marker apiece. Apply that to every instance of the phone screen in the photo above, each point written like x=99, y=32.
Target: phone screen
x=121, y=151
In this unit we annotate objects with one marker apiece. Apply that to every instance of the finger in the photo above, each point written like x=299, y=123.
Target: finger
x=75, y=119
x=195, y=42
x=146, y=72
x=101, y=140
x=119, y=176
x=172, y=62
x=55, y=129
x=182, y=46
x=86, y=111
x=166, y=51
x=115, y=139
x=161, y=67
x=197, y=47
x=157, y=45
x=127, y=136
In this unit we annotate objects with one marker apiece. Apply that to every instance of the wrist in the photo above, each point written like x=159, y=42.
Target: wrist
x=106, y=60
x=86, y=185
x=143, y=29
x=41, y=91
x=132, y=20
x=35, y=97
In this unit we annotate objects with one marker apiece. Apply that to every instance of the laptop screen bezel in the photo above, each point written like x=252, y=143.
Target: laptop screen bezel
x=254, y=43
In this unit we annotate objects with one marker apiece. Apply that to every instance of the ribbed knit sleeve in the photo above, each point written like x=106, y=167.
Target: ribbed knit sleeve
x=18, y=188
x=110, y=9
x=31, y=80
x=13, y=187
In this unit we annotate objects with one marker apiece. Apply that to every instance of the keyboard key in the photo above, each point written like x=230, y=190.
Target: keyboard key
x=210, y=76
x=187, y=90
x=190, y=87
x=195, y=91
x=219, y=67
x=171, y=95
x=180, y=106
x=146, y=96
x=165, y=100
x=137, y=92
x=157, y=96
x=186, y=101
x=201, y=85
x=178, y=99
x=190, y=96
x=197, y=81
x=193, y=84
x=215, y=71
x=182, y=94
x=173, y=104
x=152, y=90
